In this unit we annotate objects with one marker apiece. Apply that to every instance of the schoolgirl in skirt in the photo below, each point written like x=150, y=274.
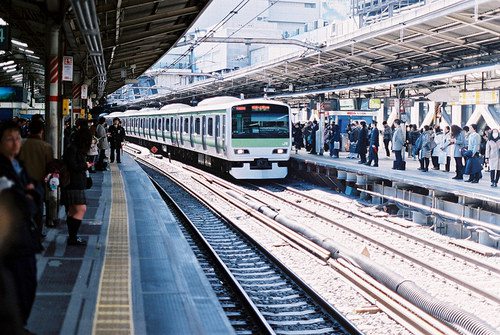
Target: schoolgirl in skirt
x=73, y=195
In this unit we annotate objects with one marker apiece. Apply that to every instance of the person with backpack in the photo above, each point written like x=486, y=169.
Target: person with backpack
x=73, y=195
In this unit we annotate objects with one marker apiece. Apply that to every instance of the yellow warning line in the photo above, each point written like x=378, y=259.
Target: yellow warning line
x=114, y=306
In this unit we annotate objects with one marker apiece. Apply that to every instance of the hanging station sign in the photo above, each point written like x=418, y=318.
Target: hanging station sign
x=67, y=71
x=479, y=97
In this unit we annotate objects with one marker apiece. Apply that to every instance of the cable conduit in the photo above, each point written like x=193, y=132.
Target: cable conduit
x=456, y=317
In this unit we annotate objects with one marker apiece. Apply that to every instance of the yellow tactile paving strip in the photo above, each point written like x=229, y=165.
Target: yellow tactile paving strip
x=114, y=306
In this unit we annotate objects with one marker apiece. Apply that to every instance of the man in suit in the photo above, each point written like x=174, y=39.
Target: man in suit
x=117, y=135
x=374, y=144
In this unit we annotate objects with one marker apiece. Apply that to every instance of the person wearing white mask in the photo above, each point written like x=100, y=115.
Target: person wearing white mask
x=492, y=156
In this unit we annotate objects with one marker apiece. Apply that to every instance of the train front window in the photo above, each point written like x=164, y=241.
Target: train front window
x=260, y=121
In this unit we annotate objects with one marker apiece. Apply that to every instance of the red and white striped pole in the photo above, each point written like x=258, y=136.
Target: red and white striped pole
x=53, y=71
x=53, y=126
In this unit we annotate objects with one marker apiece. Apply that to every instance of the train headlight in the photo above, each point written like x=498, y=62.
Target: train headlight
x=241, y=151
x=279, y=151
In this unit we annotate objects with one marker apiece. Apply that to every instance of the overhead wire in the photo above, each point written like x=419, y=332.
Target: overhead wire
x=237, y=30
x=214, y=29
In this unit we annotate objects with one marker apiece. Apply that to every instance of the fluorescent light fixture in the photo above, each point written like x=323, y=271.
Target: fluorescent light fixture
x=7, y=63
x=9, y=66
x=33, y=56
x=10, y=70
x=21, y=44
x=28, y=51
x=2, y=22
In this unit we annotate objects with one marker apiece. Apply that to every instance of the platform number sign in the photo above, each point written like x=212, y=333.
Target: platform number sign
x=4, y=38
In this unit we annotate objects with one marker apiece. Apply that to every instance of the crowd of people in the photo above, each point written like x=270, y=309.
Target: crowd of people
x=472, y=150
x=28, y=173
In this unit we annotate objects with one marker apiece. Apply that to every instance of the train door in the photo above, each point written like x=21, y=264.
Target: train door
x=223, y=132
x=217, y=134
x=182, y=128
x=173, y=127
x=176, y=131
x=204, y=132
x=163, y=120
x=191, y=136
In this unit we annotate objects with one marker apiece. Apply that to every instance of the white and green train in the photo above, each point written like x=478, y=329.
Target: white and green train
x=250, y=139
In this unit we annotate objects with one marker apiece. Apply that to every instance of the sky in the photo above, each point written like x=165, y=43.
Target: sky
x=218, y=9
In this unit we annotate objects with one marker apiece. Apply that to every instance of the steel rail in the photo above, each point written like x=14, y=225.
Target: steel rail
x=479, y=263
x=408, y=315
x=302, y=244
x=401, y=254
x=258, y=317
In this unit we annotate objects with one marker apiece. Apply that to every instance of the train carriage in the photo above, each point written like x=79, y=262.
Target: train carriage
x=250, y=139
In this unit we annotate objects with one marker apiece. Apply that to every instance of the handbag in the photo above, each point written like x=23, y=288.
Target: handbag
x=336, y=145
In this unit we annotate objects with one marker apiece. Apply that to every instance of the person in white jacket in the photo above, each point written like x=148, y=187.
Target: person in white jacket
x=438, y=154
x=492, y=156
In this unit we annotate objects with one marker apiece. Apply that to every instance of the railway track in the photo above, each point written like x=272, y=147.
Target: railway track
x=426, y=254
x=405, y=313
x=280, y=301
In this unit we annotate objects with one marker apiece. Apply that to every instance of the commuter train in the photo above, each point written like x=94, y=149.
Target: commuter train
x=249, y=139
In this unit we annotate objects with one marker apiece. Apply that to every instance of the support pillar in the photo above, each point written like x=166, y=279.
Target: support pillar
x=53, y=120
x=53, y=79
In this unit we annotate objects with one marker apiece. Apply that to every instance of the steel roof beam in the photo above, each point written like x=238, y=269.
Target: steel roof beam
x=111, y=7
x=151, y=19
x=484, y=26
x=131, y=38
x=437, y=35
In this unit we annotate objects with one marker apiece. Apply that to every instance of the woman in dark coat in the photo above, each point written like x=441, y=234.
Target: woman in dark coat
x=19, y=258
x=73, y=195
x=335, y=141
x=298, y=139
x=362, y=143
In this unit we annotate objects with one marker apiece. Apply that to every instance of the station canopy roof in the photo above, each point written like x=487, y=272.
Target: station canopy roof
x=416, y=48
x=110, y=41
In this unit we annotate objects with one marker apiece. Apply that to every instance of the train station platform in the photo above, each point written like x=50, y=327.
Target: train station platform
x=438, y=180
x=430, y=192
x=137, y=273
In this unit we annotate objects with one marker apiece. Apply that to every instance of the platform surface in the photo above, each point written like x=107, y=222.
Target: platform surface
x=438, y=180
x=169, y=291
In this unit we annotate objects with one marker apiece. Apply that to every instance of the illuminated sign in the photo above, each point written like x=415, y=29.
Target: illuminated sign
x=67, y=71
x=260, y=108
x=347, y=104
x=479, y=97
x=240, y=108
x=374, y=104
x=7, y=94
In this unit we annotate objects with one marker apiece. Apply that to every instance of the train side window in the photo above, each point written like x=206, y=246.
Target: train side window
x=197, y=126
x=210, y=125
x=160, y=123
x=186, y=125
